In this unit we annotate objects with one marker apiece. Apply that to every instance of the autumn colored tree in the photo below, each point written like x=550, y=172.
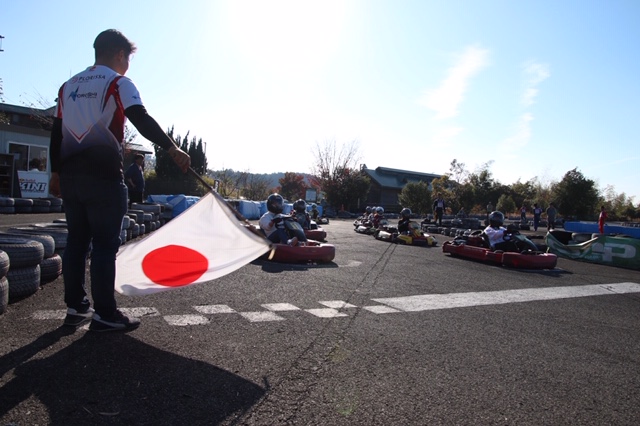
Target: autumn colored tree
x=292, y=186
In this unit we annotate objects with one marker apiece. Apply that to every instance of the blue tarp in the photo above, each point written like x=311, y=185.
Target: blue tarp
x=249, y=209
x=179, y=203
x=592, y=228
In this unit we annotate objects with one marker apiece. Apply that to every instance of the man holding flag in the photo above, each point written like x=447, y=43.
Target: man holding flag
x=87, y=144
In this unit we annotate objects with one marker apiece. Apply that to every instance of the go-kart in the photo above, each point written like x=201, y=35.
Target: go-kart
x=520, y=252
x=363, y=225
x=315, y=232
x=415, y=236
x=306, y=251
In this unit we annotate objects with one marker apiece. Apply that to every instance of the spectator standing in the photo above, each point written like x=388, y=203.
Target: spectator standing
x=602, y=219
x=537, y=213
x=523, y=214
x=489, y=210
x=551, y=217
x=134, y=178
x=439, y=206
x=87, y=143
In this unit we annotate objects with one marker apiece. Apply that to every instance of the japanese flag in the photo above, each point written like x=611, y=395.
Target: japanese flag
x=203, y=243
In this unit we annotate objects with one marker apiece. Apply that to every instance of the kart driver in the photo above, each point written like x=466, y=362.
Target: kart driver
x=300, y=214
x=496, y=233
x=403, y=223
x=272, y=223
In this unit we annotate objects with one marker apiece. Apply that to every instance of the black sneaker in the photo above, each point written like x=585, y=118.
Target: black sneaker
x=116, y=322
x=78, y=317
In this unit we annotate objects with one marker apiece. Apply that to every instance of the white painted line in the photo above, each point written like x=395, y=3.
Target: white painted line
x=326, y=313
x=380, y=309
x=460, y=300
x=261, y=316
x=214, y=309
x=280, y=307
x=184, y=320
x=337, y=304
x=140, y=312
x=50, y=315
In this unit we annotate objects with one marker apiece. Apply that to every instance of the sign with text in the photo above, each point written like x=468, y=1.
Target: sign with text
x=34, y=184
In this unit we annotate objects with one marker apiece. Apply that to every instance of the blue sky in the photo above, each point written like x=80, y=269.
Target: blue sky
x=536, y=88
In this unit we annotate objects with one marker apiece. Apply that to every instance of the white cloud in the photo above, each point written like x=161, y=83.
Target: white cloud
x=444, y=100
x=534, y=74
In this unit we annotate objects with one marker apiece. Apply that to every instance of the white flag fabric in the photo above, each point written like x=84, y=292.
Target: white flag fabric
x=203, y=243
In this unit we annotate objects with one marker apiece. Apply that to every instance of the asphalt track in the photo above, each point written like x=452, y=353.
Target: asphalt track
x=385, y=335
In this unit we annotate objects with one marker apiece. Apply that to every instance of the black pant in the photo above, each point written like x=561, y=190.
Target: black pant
x=439, y=213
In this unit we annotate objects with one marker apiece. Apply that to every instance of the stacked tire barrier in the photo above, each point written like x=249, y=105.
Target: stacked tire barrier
x=10, y=205
x=31, y=256
x=23, y=274
x=4, y=283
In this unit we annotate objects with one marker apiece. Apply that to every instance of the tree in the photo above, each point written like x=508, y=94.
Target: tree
x=169, y=176
x=576, y=195
x=337, y=175
x=254, y=187
x=417, y=197
x=292, y=186
x=506, y=204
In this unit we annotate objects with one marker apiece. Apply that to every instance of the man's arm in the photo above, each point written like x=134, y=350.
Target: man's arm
x=150, y=129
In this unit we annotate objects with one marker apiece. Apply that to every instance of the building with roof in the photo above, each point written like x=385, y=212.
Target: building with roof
x=387, y=183
x=25, y=133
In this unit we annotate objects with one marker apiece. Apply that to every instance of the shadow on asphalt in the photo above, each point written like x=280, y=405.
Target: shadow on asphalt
x=115, y=379
x=276, y=267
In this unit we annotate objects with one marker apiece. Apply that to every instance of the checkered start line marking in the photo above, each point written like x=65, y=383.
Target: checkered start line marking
x=418, y=303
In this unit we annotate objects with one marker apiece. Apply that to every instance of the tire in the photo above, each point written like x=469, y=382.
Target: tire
x=47, y=241
x=59, y=233
x=139, y=215
x=23, y=205
x=55, y=202
x=22, y=252
x=23, y=202
x=7, y=202
x=123, y=236
x=50, y=269
x=23, y=282
x=7, y=210
x=4, y=294
x=4, y=263
x=126, y=222
x=147, y=207
x=41, y=202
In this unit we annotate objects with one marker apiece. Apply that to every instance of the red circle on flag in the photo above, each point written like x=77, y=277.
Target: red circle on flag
x=174, y=266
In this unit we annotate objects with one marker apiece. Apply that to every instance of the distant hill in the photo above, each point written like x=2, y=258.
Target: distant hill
x=272, y=178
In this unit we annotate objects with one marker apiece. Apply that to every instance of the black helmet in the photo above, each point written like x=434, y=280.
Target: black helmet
x=275, y=203
x=405, y=213
x=300, y=206
x=313, y=206
x=496, y=219
x=368, y=209
x=379, y=210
